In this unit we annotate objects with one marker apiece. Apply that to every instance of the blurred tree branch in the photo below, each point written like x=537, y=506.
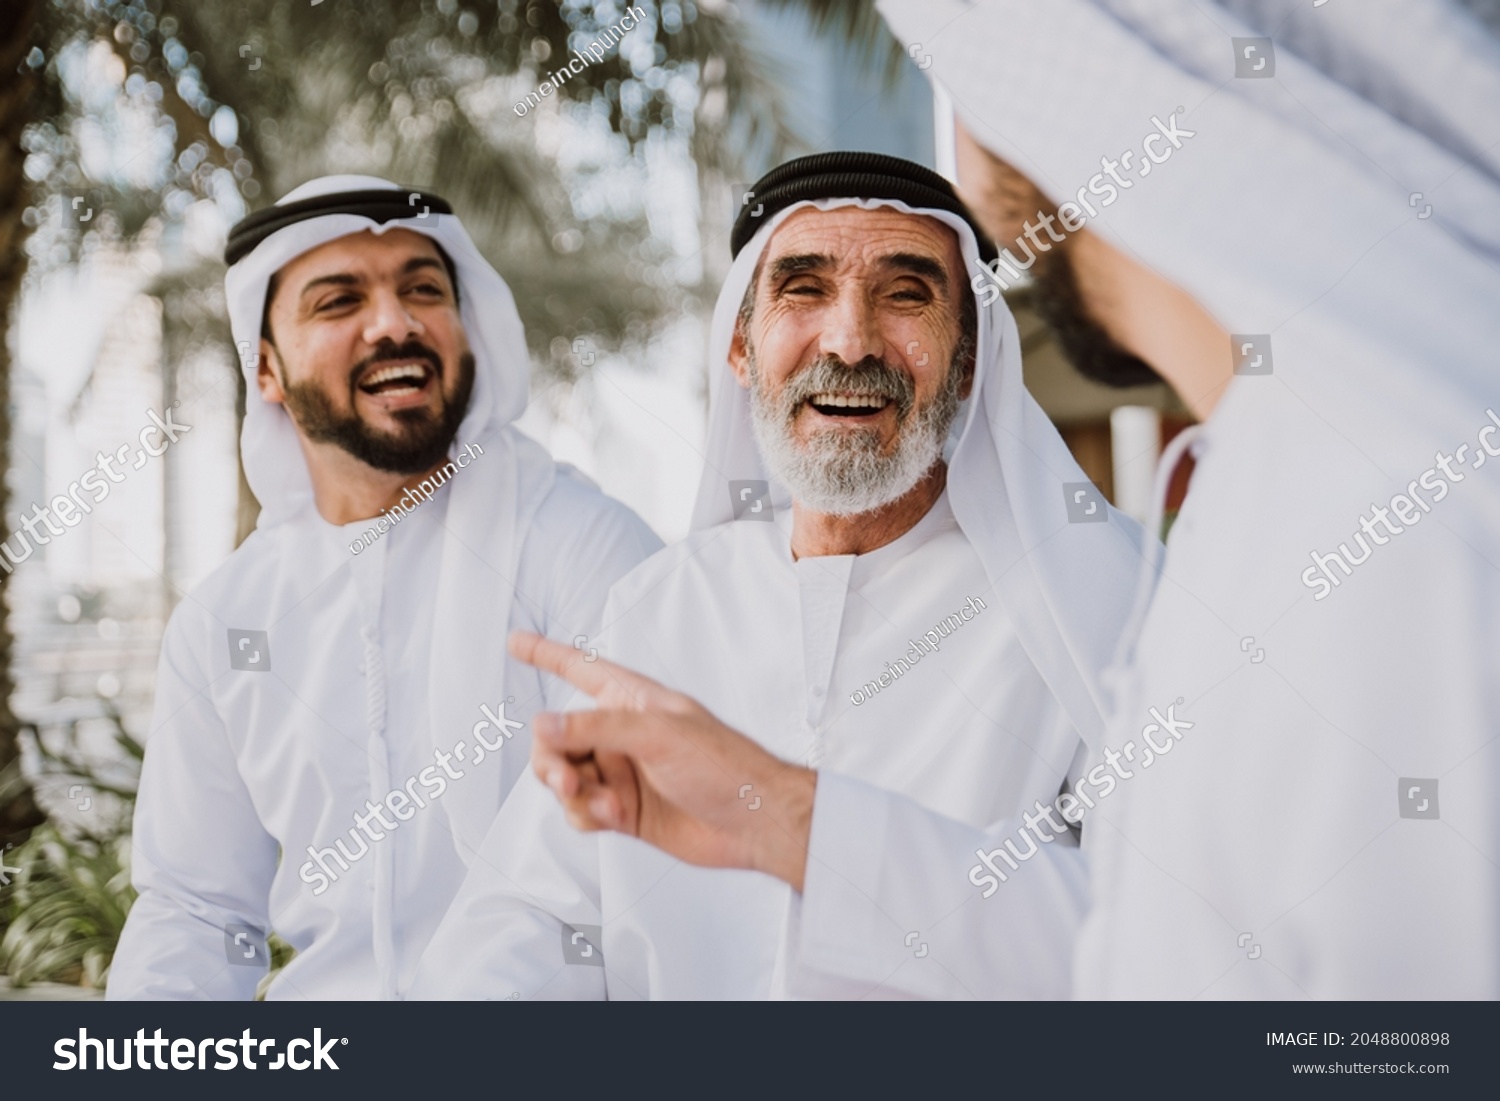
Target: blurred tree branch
x=19, y=812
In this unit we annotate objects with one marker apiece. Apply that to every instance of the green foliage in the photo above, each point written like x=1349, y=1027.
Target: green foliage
x=281, y=955
x=244, y=101
x=62, y=915
x=64, y=911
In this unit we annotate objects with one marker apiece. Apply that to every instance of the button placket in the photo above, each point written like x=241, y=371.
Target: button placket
x=823, y=585
x=369, y=573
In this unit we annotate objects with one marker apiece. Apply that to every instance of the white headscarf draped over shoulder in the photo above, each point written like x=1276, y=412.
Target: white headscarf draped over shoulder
x=1068, y=586
x=489, y=505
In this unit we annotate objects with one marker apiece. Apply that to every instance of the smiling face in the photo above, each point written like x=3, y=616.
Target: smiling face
x=856, y=344
x=366, y=350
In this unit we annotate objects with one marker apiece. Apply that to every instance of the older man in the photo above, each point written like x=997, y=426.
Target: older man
x=854, y=597
x=1315, y=817
x=336, y=723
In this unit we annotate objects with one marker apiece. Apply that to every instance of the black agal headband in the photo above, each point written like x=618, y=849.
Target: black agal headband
x=848, y=176
x=383, y=205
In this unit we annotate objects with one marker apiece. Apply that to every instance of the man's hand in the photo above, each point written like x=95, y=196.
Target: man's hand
x=654, y=764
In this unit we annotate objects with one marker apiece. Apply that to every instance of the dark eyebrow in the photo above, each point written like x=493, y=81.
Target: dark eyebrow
x=345, y=279
x=924, y=266
x=341, y=279
x=785, y=266
x=417, y=263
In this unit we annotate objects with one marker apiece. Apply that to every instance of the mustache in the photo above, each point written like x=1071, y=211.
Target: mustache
x=388, y=350
x=871, y=377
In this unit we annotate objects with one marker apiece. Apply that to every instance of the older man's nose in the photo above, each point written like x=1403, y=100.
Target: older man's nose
x=850, y=331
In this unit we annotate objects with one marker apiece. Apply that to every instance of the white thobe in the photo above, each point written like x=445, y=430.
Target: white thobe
x=244, y=771
x=1323, y=829
x=1339, y=778
x=779, y=648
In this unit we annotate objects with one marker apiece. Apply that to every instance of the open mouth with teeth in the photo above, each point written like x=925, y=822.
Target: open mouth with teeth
x=397, y=380
x=849, y=405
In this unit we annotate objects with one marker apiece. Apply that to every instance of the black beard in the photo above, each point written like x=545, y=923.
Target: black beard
x=1083, y=342
x=419, y=448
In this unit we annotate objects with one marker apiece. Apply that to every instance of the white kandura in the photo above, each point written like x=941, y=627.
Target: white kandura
x=377, y=663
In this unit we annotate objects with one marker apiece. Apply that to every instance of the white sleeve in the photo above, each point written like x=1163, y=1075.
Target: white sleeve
x=888, y=908
x=200, y=858
x=598, y=547
x=533, y=886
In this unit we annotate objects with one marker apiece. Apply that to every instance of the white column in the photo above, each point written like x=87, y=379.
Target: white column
x=1135, y=447
x=944, y=136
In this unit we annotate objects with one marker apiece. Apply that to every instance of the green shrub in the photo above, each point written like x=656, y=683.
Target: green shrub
x=63, y=912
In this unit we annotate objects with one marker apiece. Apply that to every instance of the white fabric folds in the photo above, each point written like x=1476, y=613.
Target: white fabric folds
x=1327, y=829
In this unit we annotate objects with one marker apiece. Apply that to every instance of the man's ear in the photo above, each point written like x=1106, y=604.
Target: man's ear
x=267, y=377
x=739, y=356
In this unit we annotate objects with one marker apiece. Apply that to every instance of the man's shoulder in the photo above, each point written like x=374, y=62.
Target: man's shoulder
x=576, y=511
x=234, y=579
x=234, y=590
x=579, y=542
x=704, y=556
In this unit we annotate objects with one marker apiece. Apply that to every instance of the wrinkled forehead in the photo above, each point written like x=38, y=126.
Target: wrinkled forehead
x=853, y=237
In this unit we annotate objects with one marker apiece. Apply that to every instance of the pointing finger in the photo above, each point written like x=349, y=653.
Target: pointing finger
x=578, y=733
x=596, y=677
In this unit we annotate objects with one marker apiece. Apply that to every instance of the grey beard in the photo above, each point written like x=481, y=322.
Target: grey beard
x=844, y=473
